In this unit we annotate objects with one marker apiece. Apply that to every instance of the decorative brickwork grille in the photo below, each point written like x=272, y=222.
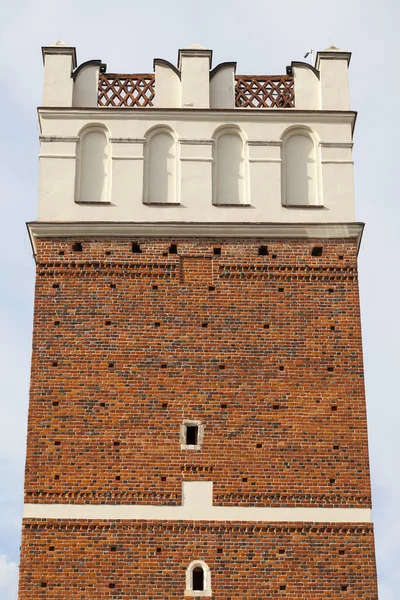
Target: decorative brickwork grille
x=251, y=91
x=256, y=91
x=126, y=90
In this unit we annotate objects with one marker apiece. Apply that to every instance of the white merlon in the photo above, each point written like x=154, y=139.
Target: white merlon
x=197, y=506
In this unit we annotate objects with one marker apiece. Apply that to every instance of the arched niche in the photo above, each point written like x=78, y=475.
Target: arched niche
x=229, y=185
x=160, y=167
x=300, y=169
x=93, y=165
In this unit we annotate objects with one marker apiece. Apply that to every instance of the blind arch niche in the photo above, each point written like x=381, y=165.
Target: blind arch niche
x=93, y=165
x=160, y=185
x=300, y=169
x=229, y=168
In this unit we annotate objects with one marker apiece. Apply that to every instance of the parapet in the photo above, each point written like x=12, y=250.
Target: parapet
x=194, y=143
x=194, y=84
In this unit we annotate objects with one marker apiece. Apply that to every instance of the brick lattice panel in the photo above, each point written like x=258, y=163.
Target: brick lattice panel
x=126, y=90
x=257, y=91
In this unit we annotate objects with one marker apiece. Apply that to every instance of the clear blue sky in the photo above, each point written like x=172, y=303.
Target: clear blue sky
x=263, y=37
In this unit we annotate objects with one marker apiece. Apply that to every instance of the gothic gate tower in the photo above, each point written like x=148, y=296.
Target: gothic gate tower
x=197, y=423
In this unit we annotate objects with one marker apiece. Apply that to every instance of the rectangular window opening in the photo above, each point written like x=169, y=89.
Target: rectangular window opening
x=317, y=251
x=136, y=248
x=192, y=435
x=263, y=251
x=173, y=249
x=217, y=251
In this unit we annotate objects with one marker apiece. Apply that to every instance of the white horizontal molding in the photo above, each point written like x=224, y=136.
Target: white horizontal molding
x=196, y=142
x=41, y=229
x=336, y=144
x=127, y=140
x=196, y=159
x=49, y=155
x=277, y=143
x=197, y=506
x=265, y=160
x=57, y=138
x=234, y=115
x=127, y=157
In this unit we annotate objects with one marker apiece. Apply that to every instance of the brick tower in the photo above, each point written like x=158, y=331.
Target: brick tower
x=197, y=423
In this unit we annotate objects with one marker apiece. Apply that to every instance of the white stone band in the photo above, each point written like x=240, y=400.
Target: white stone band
x=197, y=506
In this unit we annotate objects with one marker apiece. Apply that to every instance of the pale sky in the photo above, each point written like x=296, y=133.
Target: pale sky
x=263, y=37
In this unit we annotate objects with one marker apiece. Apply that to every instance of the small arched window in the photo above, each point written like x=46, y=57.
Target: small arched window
x=229, y=169
x=160, y=168
x=93, y=166
x=198, y=579
x=299, y=170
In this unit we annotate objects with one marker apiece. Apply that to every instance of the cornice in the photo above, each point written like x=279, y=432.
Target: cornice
x=63, y=229
x=194, y=113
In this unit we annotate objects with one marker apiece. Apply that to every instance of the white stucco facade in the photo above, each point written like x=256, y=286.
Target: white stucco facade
x=177, y=180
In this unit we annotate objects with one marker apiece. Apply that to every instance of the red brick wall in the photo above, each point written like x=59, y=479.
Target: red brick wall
x=98, y=377
x=74, y=560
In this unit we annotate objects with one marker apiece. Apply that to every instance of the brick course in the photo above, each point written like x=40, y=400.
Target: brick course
x=74, y=560
x=109, y=389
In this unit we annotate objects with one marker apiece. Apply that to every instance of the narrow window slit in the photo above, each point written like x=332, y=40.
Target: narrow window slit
x=173, y=249
x=198, y=579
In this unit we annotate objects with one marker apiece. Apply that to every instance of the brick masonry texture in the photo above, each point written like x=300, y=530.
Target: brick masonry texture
x=265, y=351
x=80, y=560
